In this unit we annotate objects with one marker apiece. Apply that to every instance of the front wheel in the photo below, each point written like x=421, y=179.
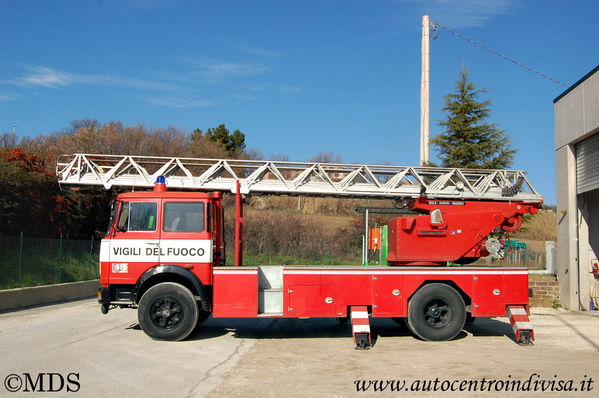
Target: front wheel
x=436, y=312
x=168, y=311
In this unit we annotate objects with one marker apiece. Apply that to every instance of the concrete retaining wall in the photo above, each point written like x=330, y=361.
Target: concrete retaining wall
x=29, y=296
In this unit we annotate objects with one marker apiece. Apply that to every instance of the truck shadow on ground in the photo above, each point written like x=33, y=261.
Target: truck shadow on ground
x=284, y=328
x=487, y=327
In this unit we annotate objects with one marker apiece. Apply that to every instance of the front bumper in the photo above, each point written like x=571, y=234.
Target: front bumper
x=112, y=296
x=104, y=295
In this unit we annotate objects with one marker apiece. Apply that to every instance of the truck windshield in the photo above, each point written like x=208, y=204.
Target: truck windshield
x=137, y=216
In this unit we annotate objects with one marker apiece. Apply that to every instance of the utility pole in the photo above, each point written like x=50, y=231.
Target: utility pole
x=424, y=93
x=14, y=134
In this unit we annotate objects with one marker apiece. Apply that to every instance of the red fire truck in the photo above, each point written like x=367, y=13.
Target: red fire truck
x=164, y=249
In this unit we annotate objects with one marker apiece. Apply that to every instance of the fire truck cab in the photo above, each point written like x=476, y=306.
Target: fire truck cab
x=158, y=239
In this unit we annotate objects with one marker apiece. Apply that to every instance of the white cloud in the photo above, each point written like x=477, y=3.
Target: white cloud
x=165, y=93
x=465, y=13
x=261, y=52
x=179, y=102
x=9, y=97
x=282, y=88
x=45, y=77
x=289, y=89
x=209, y=67
x=52, y=78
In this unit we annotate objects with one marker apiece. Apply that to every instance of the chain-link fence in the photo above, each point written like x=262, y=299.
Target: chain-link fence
x=26, y=261
x=298, y=254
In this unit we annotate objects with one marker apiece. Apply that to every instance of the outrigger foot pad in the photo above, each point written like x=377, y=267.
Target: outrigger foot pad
x=361, y=327
x=521, y=325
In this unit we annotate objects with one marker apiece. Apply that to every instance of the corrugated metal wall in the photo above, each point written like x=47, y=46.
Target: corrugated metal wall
x=587, y=164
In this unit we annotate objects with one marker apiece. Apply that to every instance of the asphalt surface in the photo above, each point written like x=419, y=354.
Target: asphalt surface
x=109, y=356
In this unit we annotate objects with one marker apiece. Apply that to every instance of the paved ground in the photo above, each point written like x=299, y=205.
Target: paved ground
x=289, y=358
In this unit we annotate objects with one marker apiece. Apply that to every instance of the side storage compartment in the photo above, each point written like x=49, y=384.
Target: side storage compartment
x=235, y=292
x=270, y=290
x=489, y=295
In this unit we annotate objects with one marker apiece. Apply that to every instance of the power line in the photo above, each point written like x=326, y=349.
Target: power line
x=437, y=24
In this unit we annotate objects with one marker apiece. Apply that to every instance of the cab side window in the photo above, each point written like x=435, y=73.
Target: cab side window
x=184, y=217
x=137, y=217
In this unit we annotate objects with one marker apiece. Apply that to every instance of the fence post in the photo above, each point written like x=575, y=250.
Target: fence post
x=60, y=260
x=20, y=257
x=549, y=253
x=89, y=259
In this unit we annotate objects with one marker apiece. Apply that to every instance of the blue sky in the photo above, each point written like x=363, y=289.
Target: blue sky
x=297, y=77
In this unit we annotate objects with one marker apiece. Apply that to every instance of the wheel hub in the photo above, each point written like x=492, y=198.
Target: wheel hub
x=166, y=313
x=437, y=314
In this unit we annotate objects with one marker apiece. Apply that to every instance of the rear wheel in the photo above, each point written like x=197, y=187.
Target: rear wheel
x=436, y=312
x=168, y=311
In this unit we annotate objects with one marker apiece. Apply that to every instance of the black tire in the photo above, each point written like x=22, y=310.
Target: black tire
x=168, y=311
x=436, y=312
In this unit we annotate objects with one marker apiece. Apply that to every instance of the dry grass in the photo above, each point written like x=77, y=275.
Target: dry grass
x=302, y=237
x=313, y=205
x=538, y=227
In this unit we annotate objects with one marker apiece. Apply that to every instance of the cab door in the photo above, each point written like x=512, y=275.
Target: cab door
x=134, y=247
x=186, y=236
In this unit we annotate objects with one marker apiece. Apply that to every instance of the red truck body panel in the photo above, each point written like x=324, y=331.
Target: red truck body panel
x=330, y=291
x=235, y=292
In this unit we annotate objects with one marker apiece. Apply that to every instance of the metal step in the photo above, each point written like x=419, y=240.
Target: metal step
x=296, y=178
x=270, y=301
x=270, y=315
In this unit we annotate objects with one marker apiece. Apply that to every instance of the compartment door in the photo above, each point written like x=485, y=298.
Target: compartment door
x=489, y=295
x=235, y=293
x=389, y=297
x=312, y=301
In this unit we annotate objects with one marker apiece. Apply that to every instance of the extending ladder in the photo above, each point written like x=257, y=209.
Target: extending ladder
x=296, y=178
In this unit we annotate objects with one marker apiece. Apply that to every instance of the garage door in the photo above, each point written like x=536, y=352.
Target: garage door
x=587, y=164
